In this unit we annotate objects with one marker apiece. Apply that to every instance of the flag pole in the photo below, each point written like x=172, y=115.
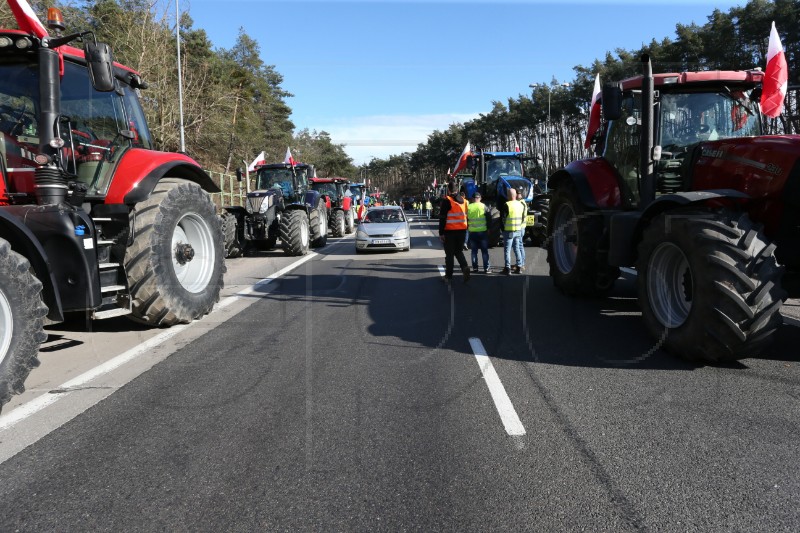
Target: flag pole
x=180, y=81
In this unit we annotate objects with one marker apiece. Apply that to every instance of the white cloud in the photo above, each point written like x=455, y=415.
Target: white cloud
x=384, y=135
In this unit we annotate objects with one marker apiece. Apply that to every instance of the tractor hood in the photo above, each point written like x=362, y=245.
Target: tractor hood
x=261, y=201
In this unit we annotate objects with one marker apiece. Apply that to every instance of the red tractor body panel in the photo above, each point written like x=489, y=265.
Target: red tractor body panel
x=601, y=178
x=137, y=164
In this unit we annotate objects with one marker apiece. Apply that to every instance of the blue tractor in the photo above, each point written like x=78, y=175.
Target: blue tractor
x=493, y=174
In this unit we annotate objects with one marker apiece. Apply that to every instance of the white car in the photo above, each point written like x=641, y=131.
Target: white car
x=383, y=228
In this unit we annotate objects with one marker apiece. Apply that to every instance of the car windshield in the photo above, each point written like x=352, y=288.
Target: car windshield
x=385, y=216
x=495, y=168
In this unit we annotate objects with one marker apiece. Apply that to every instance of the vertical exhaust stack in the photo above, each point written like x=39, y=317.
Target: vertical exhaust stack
x=647, y=189
x=51, y=187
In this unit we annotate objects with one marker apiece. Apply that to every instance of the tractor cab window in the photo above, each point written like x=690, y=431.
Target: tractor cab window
x=275, y=178
x=328, y=189
x=19, y=115
x=689, y=118
x=502, y=167
x=622, y=147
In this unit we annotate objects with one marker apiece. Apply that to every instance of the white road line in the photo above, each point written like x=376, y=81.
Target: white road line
x=37, y=404
x=792, y=321
x=502, y=402
x=430, y=244
x=441, y=270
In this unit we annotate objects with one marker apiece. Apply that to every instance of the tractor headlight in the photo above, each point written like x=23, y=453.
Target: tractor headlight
x=265, y=205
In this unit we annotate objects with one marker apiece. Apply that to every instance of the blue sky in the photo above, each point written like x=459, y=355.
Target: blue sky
x=379, y=76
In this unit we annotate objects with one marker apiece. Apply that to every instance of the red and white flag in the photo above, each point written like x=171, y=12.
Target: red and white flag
x=462, y=160
x=594, y=113
x=434, y=182
x=288, y=159
x=773, y=90
x=259, y=160
x=26, y=18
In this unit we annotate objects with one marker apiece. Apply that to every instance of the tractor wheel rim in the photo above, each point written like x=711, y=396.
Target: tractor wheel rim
x=565, y=239
x=6, y=326
x=670, y=285
x=194, y=275
x=304, y=235
x=323, y=225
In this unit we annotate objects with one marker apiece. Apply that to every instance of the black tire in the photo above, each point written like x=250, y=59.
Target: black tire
x=294, y=233
x=22, y=315
x=165, y=290
x=572, y=243
x=709, y=285
x=337, y=223
x=230, y=234
x=350, y=222
x=539, y=232
x=319, y=225
x=495, y=228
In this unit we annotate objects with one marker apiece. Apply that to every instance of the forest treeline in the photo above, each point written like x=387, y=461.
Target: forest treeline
x=235, y=105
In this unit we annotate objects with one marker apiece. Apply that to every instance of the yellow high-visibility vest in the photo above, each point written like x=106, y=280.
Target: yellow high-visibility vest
x=476, y=217
x=516, y=215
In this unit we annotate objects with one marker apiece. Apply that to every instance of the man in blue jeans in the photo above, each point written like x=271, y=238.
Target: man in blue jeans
x=478, y=219
x=514, y=212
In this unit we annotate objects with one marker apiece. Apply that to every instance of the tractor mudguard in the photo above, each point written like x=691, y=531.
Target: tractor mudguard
x=25, y=243
x=312, y=199
x=139, y=171
x=595, y=180
x=625, y=227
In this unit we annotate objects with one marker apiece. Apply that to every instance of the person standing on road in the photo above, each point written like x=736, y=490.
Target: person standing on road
x=428, y=207
x=452, y=231
x=478, y=219
x=514, y=212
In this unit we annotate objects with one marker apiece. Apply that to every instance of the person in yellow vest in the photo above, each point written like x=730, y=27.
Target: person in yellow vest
x=514, y=212
x=478, y=219
x=453, y=231
x=428, y=207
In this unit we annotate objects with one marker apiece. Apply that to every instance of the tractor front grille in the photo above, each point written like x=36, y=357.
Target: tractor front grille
x=254, y=203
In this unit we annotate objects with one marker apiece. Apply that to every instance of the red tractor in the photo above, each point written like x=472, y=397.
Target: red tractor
x=92, y=219
x=690, y=193
x=339, y=203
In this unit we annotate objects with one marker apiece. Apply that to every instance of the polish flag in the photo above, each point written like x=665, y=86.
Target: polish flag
x=516, y=148
x=594, y=113
x=462, y=160
x=776, y=77
x=26, y=18
x=288, y=159
x=434, y=182
x=259, y=160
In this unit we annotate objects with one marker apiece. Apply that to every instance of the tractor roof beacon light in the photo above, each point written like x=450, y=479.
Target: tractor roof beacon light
x=55, y=20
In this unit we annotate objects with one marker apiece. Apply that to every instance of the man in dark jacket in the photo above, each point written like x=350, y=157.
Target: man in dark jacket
x=453, y=231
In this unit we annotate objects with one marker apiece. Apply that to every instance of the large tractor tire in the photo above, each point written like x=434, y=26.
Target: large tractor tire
x=573, y=236
x=338, y=224
x=350, y=222
x=176, y=262
x=294, y=233
x=319, y=225
x=709, y=285
x=230, y=234
x=495, y=230
x=538, y=234
x=22, y=315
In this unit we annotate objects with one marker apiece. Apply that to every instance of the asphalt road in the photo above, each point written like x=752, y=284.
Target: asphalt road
x=346, y=395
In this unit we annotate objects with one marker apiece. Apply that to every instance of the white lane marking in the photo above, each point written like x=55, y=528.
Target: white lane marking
x=441, y=270
x=627, y=270
x=502, y=402
x=792, y=321
x=430, y=244
x=37, y=404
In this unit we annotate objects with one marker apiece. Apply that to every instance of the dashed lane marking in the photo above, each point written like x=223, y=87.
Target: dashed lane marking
x=502, y=402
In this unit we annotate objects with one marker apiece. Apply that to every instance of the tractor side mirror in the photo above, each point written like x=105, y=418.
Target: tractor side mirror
x=100, y=63
x=612, y=101
x=239, y=173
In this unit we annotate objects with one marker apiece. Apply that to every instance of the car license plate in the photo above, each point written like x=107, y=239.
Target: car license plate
x=381, y=241
x=531, y=220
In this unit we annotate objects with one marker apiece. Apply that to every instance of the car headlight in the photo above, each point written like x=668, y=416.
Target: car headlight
x=402, y=233
x=361, y=234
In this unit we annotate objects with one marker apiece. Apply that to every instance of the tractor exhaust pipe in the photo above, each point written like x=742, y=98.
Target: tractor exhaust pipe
x=647, y=188
x=50, y=185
